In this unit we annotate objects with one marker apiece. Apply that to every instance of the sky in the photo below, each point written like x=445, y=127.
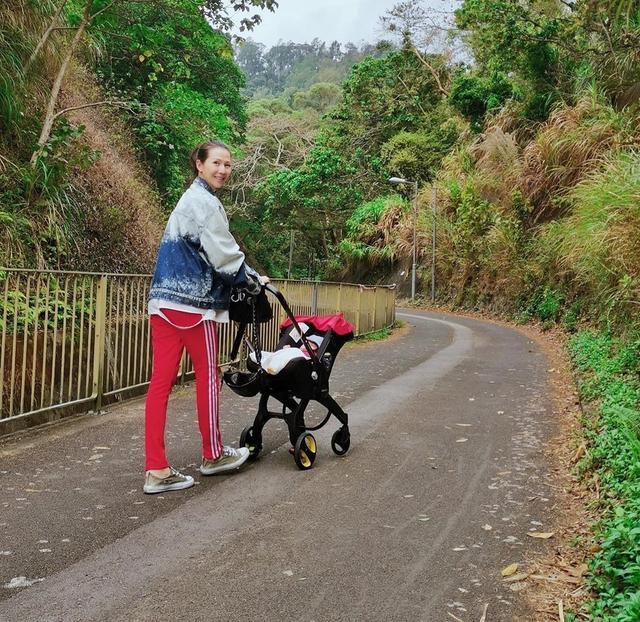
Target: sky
x=301, y=21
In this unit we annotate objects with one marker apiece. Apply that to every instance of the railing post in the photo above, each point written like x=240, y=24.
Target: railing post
x=375, y=307
x=314, y=299
x=99, y=342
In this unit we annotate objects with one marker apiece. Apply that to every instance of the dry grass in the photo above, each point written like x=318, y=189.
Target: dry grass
x=124, y=221
x=560, y=175
x=498, y=162
x=597, y=247
x=568, y=146
x=395, y=230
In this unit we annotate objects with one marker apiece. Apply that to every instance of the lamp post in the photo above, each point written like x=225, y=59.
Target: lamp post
x=290, y=255
x=434, y=205
x=396, y=181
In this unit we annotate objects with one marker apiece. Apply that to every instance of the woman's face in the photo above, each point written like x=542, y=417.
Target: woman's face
x=215, y=170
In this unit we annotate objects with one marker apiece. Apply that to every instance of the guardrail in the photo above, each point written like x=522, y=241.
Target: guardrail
x=73, y=341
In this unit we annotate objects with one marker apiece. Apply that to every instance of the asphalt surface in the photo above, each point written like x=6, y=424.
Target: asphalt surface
x=445, y=476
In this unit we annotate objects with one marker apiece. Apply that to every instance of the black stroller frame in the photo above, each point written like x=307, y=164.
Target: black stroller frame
x=308, y=380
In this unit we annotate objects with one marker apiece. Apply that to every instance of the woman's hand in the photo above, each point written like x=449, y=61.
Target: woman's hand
x=264, y=279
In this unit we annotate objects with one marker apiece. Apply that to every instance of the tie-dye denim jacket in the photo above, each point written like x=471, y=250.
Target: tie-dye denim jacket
x=199, y=260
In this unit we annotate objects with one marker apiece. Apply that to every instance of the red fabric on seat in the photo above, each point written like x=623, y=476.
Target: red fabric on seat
x=323, y=323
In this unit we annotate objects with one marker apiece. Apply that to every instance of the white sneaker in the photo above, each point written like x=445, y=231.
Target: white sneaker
x=229, y=460
x=174, y=481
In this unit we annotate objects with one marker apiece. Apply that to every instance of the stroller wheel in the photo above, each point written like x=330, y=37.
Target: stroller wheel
x=305, y=451
x=248, y=439
x=341, y=440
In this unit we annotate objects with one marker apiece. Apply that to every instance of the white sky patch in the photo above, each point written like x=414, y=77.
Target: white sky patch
x=301, y=21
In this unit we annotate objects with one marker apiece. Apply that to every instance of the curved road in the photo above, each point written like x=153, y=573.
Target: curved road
x=445, y=476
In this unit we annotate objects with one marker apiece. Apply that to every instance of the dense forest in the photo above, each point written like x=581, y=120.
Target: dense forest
x=298, y=66
x=523, y=116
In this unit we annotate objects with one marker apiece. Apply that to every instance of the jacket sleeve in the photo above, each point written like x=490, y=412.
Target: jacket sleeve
x=248, y=279
x=223, y=253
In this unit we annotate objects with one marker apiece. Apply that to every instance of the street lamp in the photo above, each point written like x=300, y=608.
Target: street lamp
x=290, y=254
x=396, y=181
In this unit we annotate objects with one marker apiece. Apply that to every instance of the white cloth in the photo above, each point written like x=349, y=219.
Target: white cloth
x=217, y=315
x=274, y=362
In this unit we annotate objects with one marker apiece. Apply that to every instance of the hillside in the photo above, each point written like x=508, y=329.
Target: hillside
x=100, y=106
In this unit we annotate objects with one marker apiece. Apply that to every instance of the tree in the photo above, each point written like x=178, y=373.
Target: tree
x=524, y=40
x=545, y=46
x=418, y=155
x=297, y=66
x=382, y=97
x=321, y=97
x=82, y=14
x=314, y=199
x=423, y=31
x=473, y=94
x=89, y=14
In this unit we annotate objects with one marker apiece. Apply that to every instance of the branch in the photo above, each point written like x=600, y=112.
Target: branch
x=102, y=10
x=47, y=124
x=92, y=105
x=409, y=93
x=45, y=36
x=4, y=160
x=432, y=71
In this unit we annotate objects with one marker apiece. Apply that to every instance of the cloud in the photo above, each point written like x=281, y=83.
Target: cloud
x=302, y=21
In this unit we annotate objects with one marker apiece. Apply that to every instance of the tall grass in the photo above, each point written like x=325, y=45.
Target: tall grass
x=568, y=147
x=21, y=26
x=598, y=246
x=548, y=212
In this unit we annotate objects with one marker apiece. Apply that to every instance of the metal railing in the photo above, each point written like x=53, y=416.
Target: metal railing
x=73, y=341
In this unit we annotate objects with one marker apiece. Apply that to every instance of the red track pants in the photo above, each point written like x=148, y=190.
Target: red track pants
x=168, y=341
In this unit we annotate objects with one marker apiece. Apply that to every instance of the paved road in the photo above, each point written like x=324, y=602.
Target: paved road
x=444, y=478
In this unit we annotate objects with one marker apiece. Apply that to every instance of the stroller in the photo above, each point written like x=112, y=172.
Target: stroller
x=294, y=374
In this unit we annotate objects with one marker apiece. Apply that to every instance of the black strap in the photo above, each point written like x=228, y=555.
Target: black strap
x=256, y=332
x=237, y=341
x=255, y=336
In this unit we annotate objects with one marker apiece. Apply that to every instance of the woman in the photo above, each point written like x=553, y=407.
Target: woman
x=198, y=263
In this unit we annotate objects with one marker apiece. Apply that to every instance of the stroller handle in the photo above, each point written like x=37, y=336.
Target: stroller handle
x=287, y=309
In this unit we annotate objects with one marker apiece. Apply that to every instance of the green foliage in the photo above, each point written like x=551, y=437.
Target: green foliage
x=596, y=242
x=368, y=236
x=313, y=200
x=296, y=66
x=163, y=57
x=45, y=308
x=418, y=155
x=546, y=304
x=365, y=218
x=321, y=97
x=181, y=73
x=474, y=95
x=609, y=372
x=177, y=120
x=546, y=46
x=378, y=335
x=523, y=38
x=12, y=78
x=473, y=215
x=384, y=96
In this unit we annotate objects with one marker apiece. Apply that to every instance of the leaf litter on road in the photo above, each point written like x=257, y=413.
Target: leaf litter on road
x=541, y=535
x=509, y=570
